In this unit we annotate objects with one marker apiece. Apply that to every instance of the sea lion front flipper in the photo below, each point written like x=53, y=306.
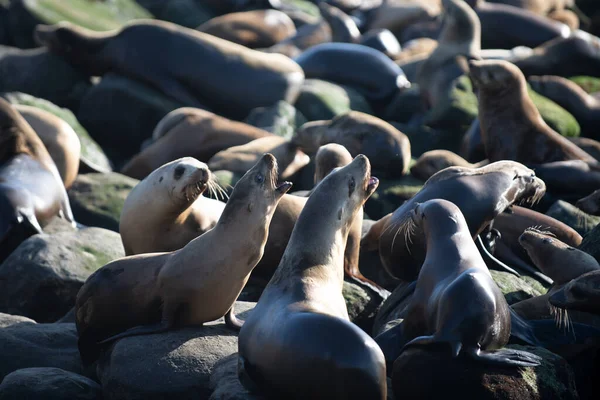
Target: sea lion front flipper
x=506, y=357
x=231, y=321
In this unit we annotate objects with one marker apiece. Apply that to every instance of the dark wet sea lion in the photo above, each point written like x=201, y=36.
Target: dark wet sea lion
x=152, y=293
x=511, y=125
x=298, y=342
x=481, y=194
x=582, y=293
x=456, y=302
x=569, y=179
x=373, y=74
x=31, y=189
x=253, y=29
x=190, y=132
x=343, y=28
x=382, y=40
x=307, y=36
x=225, y=76
x=166, y=210
x=590, y=204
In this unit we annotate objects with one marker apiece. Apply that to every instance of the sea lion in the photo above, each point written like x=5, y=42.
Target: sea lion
x=590, y=204
x=31, y=189
x=384, y=41
x=460, y=36
x=511, y=125
x=482, y=193
x=420, y=48
x=241, y=158
x=590, y=146
x=373, y=74
x=576, y=55
x=570, y=179
x=360, y=133
x=307, y=36
x=399, y=15
x=582, y=294
x=225, y=76
x=58, y=137
x=567, y=17
x=571, y=97
x=434, y=161
x=541, y=7
x=151, y=293
x=166, y=210
x=343, y=28
x=253, y=29
x=298, y=342
x=456, y=302
x=190, y=132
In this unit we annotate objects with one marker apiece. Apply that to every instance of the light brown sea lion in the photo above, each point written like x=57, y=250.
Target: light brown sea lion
x=434, y=161
x=306, y=37
x=190, y=132
x=31, y=189
x=166, y=210
x=253, y=29
x=571, y=97
x=481, y=194
x=460, y=36
x=582, y=294
x=155, y=292
x=399, y=15
x=360, y=133
x=60, y=140
x=567, y=17
x=298, y=342
x=541, y=7
x=416, y=49
x=192, y=67
x=511, y=125
x=456, y=302
x=241, y=158
x=590, y=204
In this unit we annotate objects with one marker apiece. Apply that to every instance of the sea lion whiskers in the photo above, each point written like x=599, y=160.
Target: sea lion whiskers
x=561, y=317
x=539, y=229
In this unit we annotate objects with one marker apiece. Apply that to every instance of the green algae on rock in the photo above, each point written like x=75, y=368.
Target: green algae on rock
x=588, y=83
x=515, y=288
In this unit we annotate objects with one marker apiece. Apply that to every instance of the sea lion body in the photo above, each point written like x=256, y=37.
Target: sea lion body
x=179, y=289
x=582, y=294
x=190, y=132
x=251, y=78
x=456, y=301
x=31, y=189
x=482, y=193
x=298, y=342
x=590, y=204
x=166, y=210
x=511, y=125
x=434, y=161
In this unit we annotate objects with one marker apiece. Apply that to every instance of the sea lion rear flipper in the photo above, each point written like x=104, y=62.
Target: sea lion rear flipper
x=231, y=321
x=506, y=357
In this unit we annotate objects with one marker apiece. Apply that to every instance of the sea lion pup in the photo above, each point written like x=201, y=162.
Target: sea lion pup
x=240, y=158
x=31, y=189
x=151, y=293
x=434, y=161
x=60, y=140
x=456, y=301
x=511, y=125
x=190, y=132
x=571, y=97
x=482, y=193
x=300, y=323
x=166, y=210
x=192, y=67
x=590, y=204
x=253, y=29
x=360, y=133
x=581, y=294
x=460, y=36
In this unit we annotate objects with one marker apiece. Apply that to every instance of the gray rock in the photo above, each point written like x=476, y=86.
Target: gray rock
x=172, y=365
x=281, y=119
x=41, y=278
x=362, y=304
x=97, y=199
x=27, y=345
x=48, y=384
x=225, y=383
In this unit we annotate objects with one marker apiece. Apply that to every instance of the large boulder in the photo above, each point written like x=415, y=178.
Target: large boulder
x=516, y=289
x=172, y=365
x=225, y=383
x=28, y=345
x=48, y=384
x=97, y=199
x=41, y=278
x=281, y=119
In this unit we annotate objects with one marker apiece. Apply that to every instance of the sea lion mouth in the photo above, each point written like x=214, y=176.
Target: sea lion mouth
x=283, y=187
x=372, y=184
x=194, y=190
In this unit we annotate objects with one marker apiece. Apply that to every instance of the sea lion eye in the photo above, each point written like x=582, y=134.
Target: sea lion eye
x=259, y=178
x=178, y=172
x=351, y=186
x=547, y=241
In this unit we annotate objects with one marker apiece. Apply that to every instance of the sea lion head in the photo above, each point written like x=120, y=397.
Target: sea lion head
x=329, y=157
x=434, y=161
x=497, y=76
x=581, y=294
x=524, y=187
x=460, y=27
x=438, y=212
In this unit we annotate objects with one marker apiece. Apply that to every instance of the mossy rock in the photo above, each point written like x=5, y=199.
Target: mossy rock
x=514, y=288
x=555, y=116
x=91, y=153
x=573, y=216
x=391, y=194
x=282, y=119
x=323, y=100
x=588, y=83
x=188, y=13
x=362, y=305
x=304, y=6
x=97, y=199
